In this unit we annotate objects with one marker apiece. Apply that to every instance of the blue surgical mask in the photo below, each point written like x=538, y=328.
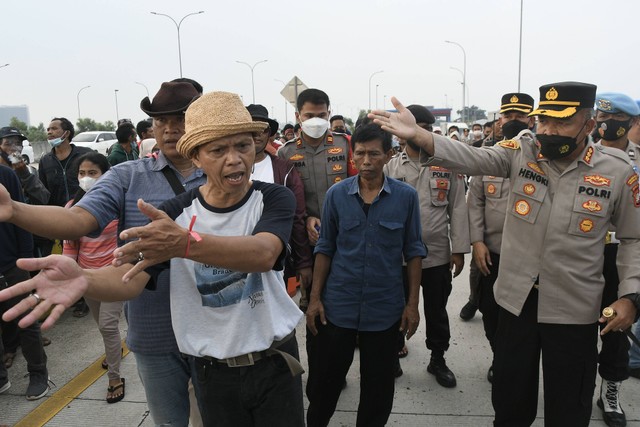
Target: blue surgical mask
x=56, y=141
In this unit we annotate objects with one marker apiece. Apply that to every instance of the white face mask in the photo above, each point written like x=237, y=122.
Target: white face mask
x=56, y=141
x=315, y=127
x=87, y=182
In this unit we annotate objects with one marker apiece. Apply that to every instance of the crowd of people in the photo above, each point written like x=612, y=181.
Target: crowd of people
x=200, y=215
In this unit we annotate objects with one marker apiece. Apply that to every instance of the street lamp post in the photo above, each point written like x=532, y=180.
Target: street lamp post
x=463, y=95
x=370, y=77
x=144, y=86
x=178, y=24
x=377, y=96
x=286, y=120
x=78, y=98
x=520, y=49
x=117, y=113
x=384, y=102
x=251, y=67
x=464, y=75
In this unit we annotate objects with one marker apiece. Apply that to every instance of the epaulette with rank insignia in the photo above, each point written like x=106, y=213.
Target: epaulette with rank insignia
x=615, y=152
x=510, y=143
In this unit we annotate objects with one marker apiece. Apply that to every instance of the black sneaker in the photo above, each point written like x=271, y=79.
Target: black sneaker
x=609, y=402
x=6, y=386
x=443, y=374
x=468, y=311
x=38, y=385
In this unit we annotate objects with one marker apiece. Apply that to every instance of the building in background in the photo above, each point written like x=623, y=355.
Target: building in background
x=21, y=112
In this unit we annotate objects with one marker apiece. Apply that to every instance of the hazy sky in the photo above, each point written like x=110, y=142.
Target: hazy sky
x=54, y=48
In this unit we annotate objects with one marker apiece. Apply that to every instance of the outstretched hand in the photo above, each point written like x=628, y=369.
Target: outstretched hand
x=402, y=124
x=60, y=283
x=158, y=241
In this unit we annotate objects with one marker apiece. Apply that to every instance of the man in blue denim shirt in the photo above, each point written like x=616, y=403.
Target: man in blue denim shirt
x=370, y=222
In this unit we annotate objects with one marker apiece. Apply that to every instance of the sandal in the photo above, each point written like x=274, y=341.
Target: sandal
x=113, y=389
x=8, y=359
x=403, y=353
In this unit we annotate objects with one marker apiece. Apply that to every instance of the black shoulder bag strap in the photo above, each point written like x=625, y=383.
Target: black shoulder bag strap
x=173, y=180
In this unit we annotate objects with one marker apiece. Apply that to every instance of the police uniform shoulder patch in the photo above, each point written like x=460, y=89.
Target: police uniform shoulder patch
x=633, y=178
x=297, y=156
x=597, y=180
x=635, y=194
x=438, y=168
x=522, y=207
x=510, y=143
x=535, y=167
x=334, y=150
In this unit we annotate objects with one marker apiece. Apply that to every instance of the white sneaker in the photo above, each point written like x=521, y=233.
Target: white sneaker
x=609, y=402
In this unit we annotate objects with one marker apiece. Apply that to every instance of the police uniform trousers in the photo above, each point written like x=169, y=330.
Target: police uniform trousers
x=474, y=283
x=614, y=355
x=487, y=303
x=436, y=288
x=569, y=357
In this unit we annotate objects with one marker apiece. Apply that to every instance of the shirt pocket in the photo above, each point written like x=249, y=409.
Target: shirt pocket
x=528, y=197
x=588, y=216
x=439, y=188
x=492, y=186
x=390, y=233
x=348, y=232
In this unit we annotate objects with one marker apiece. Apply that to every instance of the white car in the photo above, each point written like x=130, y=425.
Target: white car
x=27, y=152
x=96, y=140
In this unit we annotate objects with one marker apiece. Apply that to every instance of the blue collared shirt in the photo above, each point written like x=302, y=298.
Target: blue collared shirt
x=115, y=196
x=364, y=288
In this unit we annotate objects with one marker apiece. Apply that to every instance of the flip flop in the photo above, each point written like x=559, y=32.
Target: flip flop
x=112, y=389
x=403, y=353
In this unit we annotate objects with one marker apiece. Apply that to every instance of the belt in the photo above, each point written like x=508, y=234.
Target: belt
x=250, y=359
x=610, y=238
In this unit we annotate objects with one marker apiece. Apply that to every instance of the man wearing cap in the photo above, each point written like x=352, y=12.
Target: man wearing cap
x=162, y=369
x=445, y=230
x=487, y=200
x=287, y=133
x=270, y=168
x=226, y=242
x=616, y=113
x=565, y=193
x=10, y=148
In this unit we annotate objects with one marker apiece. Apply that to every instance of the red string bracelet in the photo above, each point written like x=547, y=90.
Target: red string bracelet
x=190, y=234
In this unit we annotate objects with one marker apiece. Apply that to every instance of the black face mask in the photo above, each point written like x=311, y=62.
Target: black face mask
x=339, y=130
x=557, y=146
x=512, y=128
x=611, y=129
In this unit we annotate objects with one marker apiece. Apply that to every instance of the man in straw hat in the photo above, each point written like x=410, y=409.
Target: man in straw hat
x=226, y=240
x=161, y=367
x=565, y=193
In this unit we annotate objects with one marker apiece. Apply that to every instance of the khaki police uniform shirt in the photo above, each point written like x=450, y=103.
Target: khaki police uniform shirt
x=443, y=211
x=487, y=202
x=556, y=224
x=319, y=167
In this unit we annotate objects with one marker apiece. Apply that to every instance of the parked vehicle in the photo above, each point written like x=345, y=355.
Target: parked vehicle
x=96, y=140
x=27, y=152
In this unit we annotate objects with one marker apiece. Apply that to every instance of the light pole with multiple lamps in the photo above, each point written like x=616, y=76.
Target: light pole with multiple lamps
x=178, y=24
x=370, y=77
x=144, y=86
x=251, y=67
x=78, y=99
x=520, y=49
x=464, y=76
x=117, y=113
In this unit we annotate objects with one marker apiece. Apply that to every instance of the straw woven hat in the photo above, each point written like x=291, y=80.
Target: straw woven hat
x=213, y=116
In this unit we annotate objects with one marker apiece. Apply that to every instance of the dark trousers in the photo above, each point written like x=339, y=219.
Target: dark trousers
x=436, y=288
x=30, y=337
x=335, y=349
x=487, y=302
x=614, y=355
x=569, y=356
x=474, y=283
x=265, y=394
